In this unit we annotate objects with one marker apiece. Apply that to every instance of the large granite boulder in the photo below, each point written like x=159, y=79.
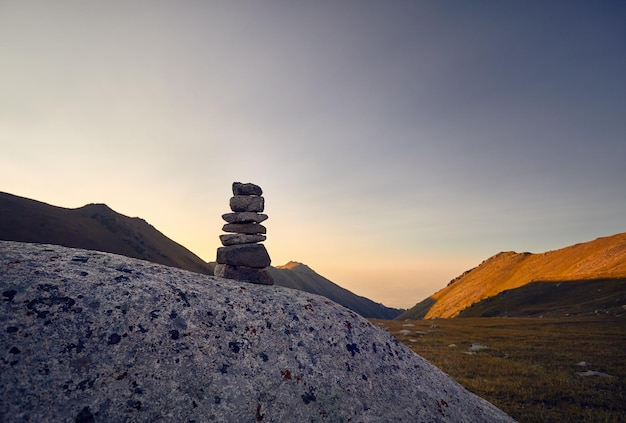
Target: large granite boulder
x=95, y=337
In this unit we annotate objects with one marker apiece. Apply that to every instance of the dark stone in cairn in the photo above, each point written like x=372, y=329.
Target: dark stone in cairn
x=236, y=239
x=251, y=255
x=243, y=273
x=244, y=228
x=244, y=217
x=246, y=189
x=246, y=203
x=242, y=257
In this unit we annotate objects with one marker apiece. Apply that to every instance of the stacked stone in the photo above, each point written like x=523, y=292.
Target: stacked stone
x=242, y=257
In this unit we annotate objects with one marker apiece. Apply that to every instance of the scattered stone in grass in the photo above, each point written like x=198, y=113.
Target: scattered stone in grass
x=594, y=373
x=583, y=364
x=477, y=347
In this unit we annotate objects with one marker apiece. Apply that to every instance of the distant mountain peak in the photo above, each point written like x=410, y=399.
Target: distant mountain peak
x=97, y=207
x=291, y=265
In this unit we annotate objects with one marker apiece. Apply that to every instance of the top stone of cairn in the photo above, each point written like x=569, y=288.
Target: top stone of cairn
x=246, y=189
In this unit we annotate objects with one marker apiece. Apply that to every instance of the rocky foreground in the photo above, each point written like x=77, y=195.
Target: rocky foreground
x=94, y=337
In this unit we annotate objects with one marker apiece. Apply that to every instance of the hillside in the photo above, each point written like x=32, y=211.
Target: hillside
x=603, y=258
x=555, y=299
x=300, y=276
x=98, y=337
x=93, y=227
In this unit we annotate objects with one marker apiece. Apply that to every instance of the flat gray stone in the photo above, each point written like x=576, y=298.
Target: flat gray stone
x=246, y=189
x=250, y=255
x=243, y=273
x=245, y=228
x=96, y=337
x=236, y=239
x=244, y=217
x=245, y=203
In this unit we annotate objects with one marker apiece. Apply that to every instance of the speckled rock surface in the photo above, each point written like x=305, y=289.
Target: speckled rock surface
x=96, y=337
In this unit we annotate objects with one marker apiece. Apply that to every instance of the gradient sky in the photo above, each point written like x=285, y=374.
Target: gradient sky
x=398, y=143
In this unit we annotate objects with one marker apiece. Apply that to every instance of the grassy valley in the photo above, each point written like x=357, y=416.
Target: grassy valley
x=537, y=370
x=542, y=336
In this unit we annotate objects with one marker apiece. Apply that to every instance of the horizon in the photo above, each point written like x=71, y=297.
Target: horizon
x=397, y=145
x=294, y=263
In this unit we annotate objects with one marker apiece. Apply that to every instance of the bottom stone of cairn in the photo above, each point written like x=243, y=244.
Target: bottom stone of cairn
x=244, y=273
x=250, y=255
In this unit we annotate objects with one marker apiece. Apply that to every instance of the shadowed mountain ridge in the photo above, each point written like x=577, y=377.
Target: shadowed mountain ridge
x=94, y=227
x=555, y=299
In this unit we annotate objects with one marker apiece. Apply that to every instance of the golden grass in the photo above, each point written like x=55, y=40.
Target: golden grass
x=530, y=367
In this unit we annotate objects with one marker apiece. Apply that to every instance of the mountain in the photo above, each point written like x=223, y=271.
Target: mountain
x=97, y=227
x=601, y=259
x=93, y=227
x=300, y=276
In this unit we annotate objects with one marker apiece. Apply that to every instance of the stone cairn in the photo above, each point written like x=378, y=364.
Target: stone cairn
x=242, y=257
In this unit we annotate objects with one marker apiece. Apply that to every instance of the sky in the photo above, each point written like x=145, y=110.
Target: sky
x=398, y=143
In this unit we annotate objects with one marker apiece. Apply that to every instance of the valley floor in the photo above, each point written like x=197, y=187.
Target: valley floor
x=537, y=370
